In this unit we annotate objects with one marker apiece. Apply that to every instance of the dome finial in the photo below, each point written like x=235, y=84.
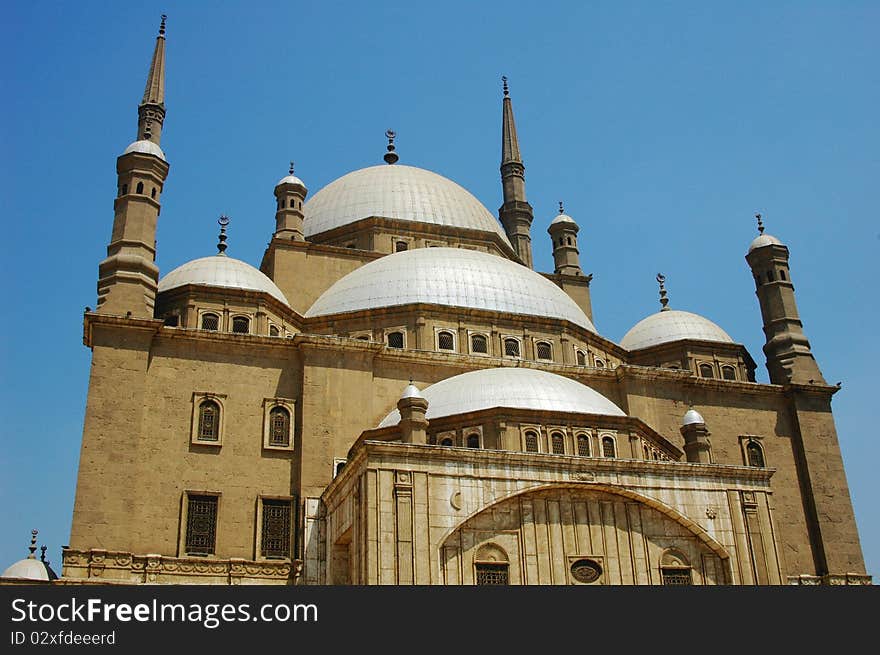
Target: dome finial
x=223, y=221
x=162, y=26
x=504, y=86
x=390, y=156
x=661, y=280
x=291, y=168
x=760, y=223
x=561, y=209
x=33, y=546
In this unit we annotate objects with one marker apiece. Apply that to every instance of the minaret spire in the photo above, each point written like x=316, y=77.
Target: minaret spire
x=664, y=301
x=151, y=111
x=515, y=213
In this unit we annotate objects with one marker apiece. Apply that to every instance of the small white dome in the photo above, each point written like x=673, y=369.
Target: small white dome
x=221, y=271
x=398, y=192
x=291, y=179
x=146, y=147
x=411, y=391
x=563, y=218
x=672, y=325
x=692, y=416
x=514, y=388
x=764, y=240
x=27, y=569
x=453, y=277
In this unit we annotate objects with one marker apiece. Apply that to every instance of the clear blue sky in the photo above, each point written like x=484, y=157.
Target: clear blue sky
x=663, y=127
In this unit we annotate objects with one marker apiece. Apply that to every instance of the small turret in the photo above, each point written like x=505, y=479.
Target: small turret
x=696, y=437
x=413, y=407
x=563, y=233
x=290, y=193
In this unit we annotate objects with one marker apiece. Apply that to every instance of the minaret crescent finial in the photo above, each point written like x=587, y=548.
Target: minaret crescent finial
x=664, y=301
x=561, y=209
x=162, y=26
x=504, y=86
x=760, y=223
x=291, y=168
x=390, y=156
x=221, y=245
x=33, y=546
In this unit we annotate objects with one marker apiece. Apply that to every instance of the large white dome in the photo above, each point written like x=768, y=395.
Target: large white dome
x=515, y=388
x=449, y=276
x=672, y=325
x=398, y=192
x=221, y=271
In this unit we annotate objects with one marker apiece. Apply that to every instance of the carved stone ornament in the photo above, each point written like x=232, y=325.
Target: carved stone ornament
x=711, y=512
x=586, y=571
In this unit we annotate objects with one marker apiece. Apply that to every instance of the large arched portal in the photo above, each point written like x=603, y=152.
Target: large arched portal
x=580, y=535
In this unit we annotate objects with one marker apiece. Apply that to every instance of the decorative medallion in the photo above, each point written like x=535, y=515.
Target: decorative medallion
x=586, y=571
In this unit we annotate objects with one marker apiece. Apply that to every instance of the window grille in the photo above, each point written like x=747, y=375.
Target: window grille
x=558, y=443
x=511, y=347
x=608, y=447
x=241, y=325
x=531, y=442
x=395, y=340
x=201, y=525
x=275, y=540
x=675, y=577
x=210, y=322
x=728, y=372
x=445, y=341
x=279, y=427
x=479, y=344
x=706, y=371
x=492, y=574
x=581, y=358
x=583, y=445
x=755, y=454
x=400, y=246
x=545, y=351
x=473, y=441
x=209, y=421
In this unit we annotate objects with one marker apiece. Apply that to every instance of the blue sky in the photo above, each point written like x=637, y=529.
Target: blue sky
x=664, y=126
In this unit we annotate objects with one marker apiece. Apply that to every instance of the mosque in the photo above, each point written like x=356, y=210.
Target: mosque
x=395, y=396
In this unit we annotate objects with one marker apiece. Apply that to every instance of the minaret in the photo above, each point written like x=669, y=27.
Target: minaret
x=515, y=214
x=128, y=277
x=696, y=438
x=413, y=407
x=563, y=233
x=789, y=358
x=290, y=193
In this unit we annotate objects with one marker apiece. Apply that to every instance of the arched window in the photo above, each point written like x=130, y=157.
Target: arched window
x=557, y=441
x=124, y=189
x=646, y=451
x=364, y=337
x=491, y=565
x=153, y=193
x=209, y=421
x=395, y=339
x=210, y=321
x=675, y=569
x=339, y=467
x=581, y=358
x=608, y=447
x=728, y=372
x=273, y=331
x=511, y=347
x=781, y=274
x=241, y=324
x=769, y=276
x=600, y=363
x=140, y=187
x=279, y=427
x=445, y=340
x=707, y=371
x=446, y=441
x=569, y=240
x=583, y=445
x=544, y=350
x=531, y=442
x=473, y=441
x=479, y=344
x=400, y=246
x=755, y=454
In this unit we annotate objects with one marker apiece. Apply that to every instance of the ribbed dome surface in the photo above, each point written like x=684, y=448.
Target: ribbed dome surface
x=672, y=325
x=221, y=271
x=453, y=277
x=515, y=388
x=27, y=569
x=399, y=192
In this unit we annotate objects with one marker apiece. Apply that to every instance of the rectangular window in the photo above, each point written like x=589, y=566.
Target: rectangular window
x=676, y=577
x=491, y=574
x=201, y=525
x=275, y=534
